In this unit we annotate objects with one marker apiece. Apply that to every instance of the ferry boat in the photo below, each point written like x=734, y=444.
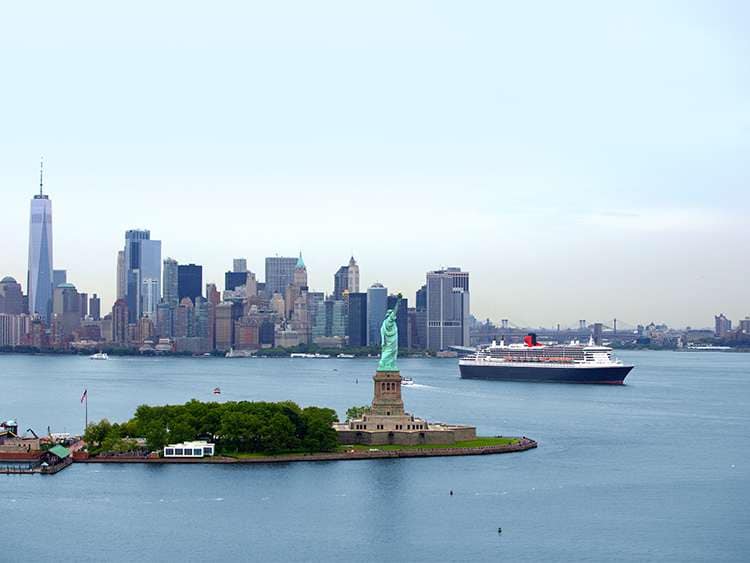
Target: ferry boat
x=239, y=353
x=346, y=356
x=99, y=356
x=706, y=348
x=306, y=355
x=533, y=361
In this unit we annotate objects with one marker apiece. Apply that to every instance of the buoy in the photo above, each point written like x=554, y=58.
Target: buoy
x=451, y=493
x=499, y=530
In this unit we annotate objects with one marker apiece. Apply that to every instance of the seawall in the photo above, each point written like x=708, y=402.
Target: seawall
x=522, y=445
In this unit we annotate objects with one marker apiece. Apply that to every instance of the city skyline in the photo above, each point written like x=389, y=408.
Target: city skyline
x=571, y=181
x=250, y=264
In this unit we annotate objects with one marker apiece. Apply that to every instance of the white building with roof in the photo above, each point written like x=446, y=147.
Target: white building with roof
x=189, y=449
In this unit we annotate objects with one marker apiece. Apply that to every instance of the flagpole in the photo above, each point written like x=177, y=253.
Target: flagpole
x=87, y=411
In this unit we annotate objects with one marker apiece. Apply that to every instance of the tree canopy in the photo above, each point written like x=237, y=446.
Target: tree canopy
x=239, y=427
x=354, y=413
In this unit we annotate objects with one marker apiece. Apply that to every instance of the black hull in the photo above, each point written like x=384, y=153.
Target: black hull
x=614, y=375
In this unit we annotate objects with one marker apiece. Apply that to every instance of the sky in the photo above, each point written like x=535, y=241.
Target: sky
x=582, y=160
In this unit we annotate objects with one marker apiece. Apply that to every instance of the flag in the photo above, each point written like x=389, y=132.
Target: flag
x=84, y=397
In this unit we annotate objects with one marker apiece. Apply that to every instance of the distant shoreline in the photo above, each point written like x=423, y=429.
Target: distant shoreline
x=119, y=354
x=179, y=356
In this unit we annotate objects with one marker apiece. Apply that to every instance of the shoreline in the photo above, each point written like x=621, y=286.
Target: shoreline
x=187, y=356
x=522, y=445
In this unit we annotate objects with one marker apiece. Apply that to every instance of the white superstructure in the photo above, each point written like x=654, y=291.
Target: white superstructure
x=573, y=354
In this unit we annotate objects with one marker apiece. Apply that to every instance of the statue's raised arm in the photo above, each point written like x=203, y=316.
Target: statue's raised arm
x=389, y=340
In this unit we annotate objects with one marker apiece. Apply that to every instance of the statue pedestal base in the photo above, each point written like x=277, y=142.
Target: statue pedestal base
x=388, y=423
x=387, y=399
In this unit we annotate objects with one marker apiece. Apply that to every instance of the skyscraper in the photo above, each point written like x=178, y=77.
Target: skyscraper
x=11, y=296
x=299, y=277
x=224, y=327
x=346, y=279
x=420, y=319
x=122, y=279
x=120, y=322
x=353, y=271
x=59, y=277
x=340, y=282
x=329, y=320
x=165, y=319
x=150, y=297
x=279, y=273
x=189, y=281
x=233, y=280
x=84, y=308
x=377, y=297
x=421, y=298
x=722, y=325
x=13, y=329
x=212, y=294
x=447, y=308
x=357, y=330
x=39, y=281
x=142, y=263
x=66, y=311
x=251, y=285
x=170, y=284
x=239, y=265
x=95, y=307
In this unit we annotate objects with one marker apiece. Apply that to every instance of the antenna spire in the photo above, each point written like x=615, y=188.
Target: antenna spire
x=41, y=176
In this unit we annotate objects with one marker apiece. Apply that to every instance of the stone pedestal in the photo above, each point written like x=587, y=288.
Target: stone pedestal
x=387, y=396
x=388, y=423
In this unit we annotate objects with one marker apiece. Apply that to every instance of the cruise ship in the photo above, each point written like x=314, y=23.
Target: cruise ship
x=533, y=361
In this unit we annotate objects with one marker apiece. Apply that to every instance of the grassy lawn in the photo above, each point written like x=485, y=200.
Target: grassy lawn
x=243, y=455
x=240, y=455
x=479, y=442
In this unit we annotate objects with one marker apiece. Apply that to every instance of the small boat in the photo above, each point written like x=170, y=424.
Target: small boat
x=217, y=391
x=407, y=381
x=305, y=355
x=239, y=353
x=99, y=356
x=346, y=356
x=446, y=354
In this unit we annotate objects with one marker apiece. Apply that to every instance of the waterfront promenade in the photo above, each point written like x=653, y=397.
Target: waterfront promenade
x=523, y=444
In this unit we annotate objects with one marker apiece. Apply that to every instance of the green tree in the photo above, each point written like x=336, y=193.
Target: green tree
x=320, y=436
x=156, y=436
x=278, y=435
x=181, y=431
x=357, y=412
x=95, y=434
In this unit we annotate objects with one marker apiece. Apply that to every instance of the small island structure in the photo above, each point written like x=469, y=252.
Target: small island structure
x=387, y=422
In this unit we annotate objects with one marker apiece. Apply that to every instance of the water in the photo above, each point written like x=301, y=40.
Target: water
x=654, y=470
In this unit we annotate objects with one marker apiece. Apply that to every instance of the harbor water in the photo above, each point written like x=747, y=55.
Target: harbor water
x=657, y=469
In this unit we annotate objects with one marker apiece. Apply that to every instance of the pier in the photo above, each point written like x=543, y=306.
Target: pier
x=48, y=462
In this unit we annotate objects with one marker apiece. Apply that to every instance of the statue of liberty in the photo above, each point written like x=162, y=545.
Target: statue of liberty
x=389, y=340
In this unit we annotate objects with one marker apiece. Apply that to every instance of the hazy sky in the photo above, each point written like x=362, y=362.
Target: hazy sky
x=580, y=159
